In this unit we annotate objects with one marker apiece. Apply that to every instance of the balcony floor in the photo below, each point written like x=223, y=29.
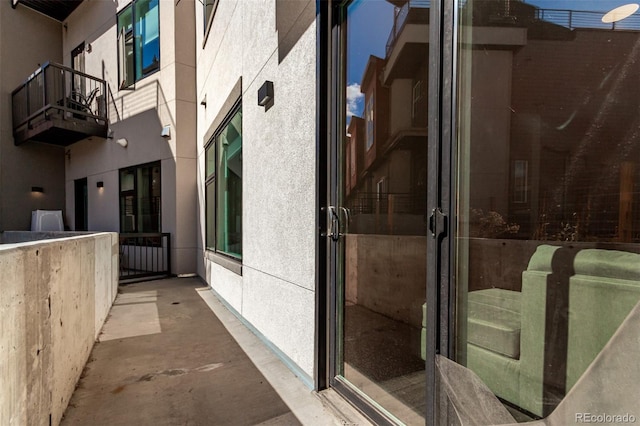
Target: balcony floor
x=165, y=358
x=58, y=131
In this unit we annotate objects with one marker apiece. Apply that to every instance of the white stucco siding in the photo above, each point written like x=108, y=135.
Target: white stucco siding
x=276, y=291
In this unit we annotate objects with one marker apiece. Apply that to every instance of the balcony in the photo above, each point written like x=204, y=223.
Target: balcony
x=406, y=47
x=60, y=106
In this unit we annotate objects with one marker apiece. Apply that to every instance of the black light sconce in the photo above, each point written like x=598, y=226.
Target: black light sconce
x=38, y=189
x=265, y=95
x=100, y=184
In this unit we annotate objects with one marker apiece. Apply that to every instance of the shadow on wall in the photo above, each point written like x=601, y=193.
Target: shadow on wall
x=292, y=20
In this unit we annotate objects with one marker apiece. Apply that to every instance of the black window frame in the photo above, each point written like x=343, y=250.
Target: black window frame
x=134, y=192
x=208, y=19
x=130, y=35
x=221, y=257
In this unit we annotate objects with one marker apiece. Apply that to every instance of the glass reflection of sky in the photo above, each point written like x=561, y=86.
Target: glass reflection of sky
x=369, y=26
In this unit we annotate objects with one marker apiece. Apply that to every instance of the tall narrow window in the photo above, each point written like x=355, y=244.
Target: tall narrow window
x=140, y=196
x=138, y=41
x=369, y=119
x=209, y=10
x=223, y=159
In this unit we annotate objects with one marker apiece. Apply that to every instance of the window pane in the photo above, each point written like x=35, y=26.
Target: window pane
x=211, y=214
x=147, y=36
x=140, y=199
x=209, y=6
x=548, y=216
x=382, y=206
x=229, y=188
x=210, y=160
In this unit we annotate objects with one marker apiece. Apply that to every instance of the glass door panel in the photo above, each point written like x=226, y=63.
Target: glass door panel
x=381, y=213
x=548, y=209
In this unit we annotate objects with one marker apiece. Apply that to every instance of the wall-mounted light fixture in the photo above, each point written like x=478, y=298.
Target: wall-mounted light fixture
x=37, y=189
x=203, y=102
x=88, y=48
x=122, y=142
x=166, y=132
x=265, y=95
x=100, y=184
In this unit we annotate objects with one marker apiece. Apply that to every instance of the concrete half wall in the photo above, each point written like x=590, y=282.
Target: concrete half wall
x=55, y=295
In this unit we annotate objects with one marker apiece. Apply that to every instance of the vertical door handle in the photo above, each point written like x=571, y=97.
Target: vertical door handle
x=347, y=219
x=333, y=223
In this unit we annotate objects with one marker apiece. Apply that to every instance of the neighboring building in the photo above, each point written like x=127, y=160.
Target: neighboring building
x=130, y=156
x=433, y=212
x=36, y=165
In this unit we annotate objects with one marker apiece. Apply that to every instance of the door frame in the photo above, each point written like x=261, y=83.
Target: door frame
x=441, y=157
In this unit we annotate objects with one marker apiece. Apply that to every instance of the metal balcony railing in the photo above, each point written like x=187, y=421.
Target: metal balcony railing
x=145, y=255
x=400, y=19
x=52, y=97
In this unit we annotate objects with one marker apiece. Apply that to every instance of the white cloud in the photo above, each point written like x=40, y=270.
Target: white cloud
x=354, y=99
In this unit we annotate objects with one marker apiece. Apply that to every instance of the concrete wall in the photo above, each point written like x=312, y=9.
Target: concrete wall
x=55, y=297
x=28, y=39
x=276, y=41
x=138, y=114
x=387, y=274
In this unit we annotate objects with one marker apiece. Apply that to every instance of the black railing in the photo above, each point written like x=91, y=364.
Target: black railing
x=400, y=19
x=56, y=90
x=144, y=255
x=578, y=19
x=387, y=203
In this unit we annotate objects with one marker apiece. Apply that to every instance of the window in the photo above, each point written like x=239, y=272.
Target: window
x=140, y=200
x=138, y=41
x=223, y=158
x=210, y=7
x=369, y=118
x=417, y=95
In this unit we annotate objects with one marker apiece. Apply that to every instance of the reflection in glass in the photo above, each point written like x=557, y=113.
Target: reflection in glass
x=383, y=189
x=548, y=226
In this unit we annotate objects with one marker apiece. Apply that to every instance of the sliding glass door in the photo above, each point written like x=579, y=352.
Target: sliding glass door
x=379, y=217
x=547, y=232
x=482, y=220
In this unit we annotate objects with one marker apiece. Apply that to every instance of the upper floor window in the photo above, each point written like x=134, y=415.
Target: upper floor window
x=369, y=118
x=209, y=10
x=223, y=182
x=138, y=41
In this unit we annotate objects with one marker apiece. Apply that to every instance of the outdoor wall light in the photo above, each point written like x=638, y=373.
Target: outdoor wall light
x=100, y=184
x=265, y=95
x=122, y=142
x=37, y=189
x=166, y=132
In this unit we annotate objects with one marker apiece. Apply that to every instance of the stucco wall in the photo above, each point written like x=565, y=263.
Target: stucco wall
x=55, y=297
x=138, y=115
x=274, y=41
x=28, y=40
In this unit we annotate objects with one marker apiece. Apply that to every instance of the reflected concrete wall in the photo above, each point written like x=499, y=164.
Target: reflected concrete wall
x=257, y=41
x=27, y=39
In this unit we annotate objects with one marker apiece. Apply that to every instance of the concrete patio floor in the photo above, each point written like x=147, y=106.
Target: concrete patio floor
x=171, y=354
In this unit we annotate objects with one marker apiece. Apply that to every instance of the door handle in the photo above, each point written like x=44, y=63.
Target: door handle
x=333, y=222
x=347, y=219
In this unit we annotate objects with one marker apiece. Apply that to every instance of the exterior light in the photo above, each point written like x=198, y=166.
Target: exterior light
x=37, y=189
x=265, y=95
x=122, y=142
x=100, y=184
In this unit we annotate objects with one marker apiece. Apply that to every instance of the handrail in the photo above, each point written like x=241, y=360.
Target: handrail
x=57, y=88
